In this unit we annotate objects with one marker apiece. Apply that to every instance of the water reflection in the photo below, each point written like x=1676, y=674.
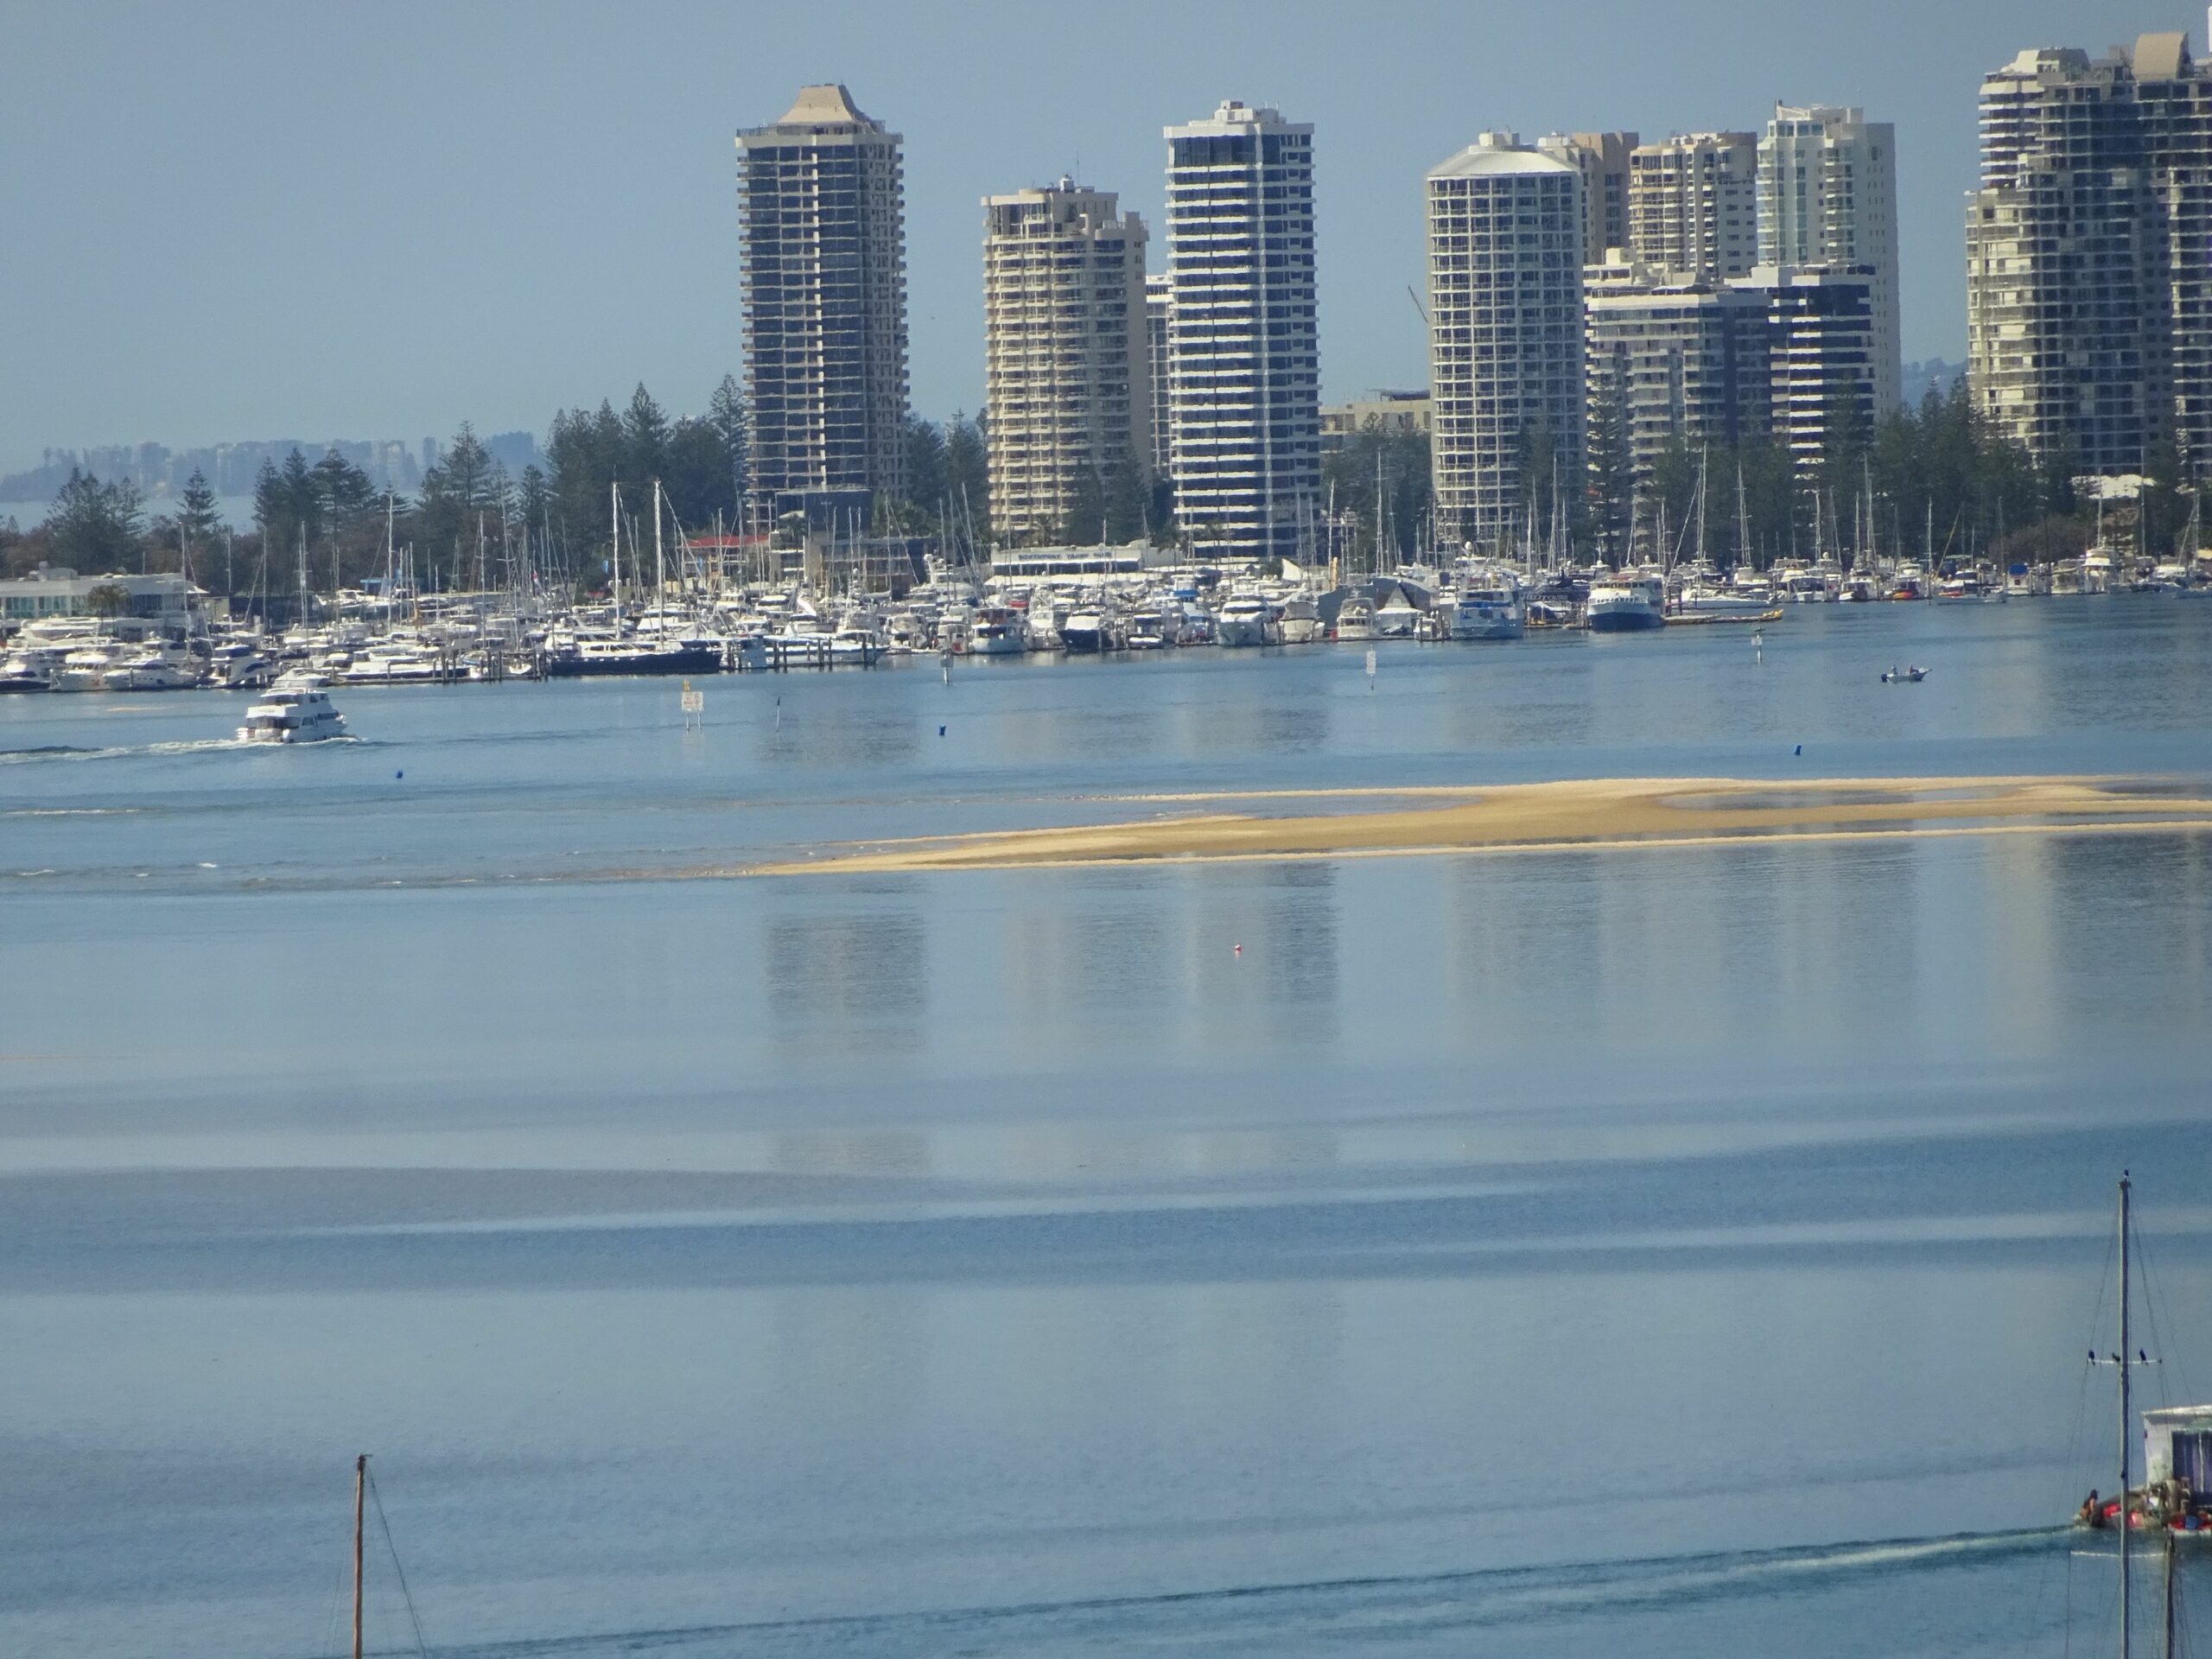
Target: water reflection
x=847, y=983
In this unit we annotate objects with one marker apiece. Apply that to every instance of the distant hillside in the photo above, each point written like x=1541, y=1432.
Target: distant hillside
x=1918, y=377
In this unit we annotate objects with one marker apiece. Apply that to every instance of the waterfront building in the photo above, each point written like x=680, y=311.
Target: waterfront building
x=1159, y=296
x=2087, y=248
x=1693, y=204
x=1602, y=158
x=1397, y=414
x=1505, y=252
x=823, y=225
x=1065, y=351
x=1825, y=345
x=147, y=604
x=1827, y=196
x=1677, y=356
x=1244, y=378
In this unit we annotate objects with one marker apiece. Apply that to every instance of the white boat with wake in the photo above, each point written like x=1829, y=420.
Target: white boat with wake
x=296, y=710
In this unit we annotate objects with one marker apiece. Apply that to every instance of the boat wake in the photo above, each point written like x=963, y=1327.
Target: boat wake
x=123, y=752
x=1322, y=1616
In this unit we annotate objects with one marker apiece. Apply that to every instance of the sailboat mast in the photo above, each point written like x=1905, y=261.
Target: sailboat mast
x=2125, y=1460
x=614, y=518
x=360, y=1488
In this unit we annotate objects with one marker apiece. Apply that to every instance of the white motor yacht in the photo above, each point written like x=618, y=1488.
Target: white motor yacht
x=1705, y=600
x=1356, y=619
x=1299, y=620
x=293, y=713
x=1247, y=619
x=1628, y=602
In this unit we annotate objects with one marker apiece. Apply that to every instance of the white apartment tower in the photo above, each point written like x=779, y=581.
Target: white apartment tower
x=1159, y=295
x=1244, y=382
x=1827, y=195
x=1693, y=204
x=1065, y=351
x=1505, y=252
x=822, y=221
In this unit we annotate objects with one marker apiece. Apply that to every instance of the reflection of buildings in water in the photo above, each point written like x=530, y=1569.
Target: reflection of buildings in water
x=1678, y=948
x=849, y=982
x=2129, y=930
x=1083, y=950
x=1284, y=917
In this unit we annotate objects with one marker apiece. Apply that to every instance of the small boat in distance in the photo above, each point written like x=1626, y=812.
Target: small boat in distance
x=293, y=713
x=1907, y=676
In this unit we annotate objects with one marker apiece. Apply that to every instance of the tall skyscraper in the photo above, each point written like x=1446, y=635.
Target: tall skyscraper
x=1602, y=158
x=2089, y=255
x=1505, y=254
x=1244, y=419
x=1159, y=297
x=1827, y=195
x=1065, y=354
x=1693, y=204
x=822, y=221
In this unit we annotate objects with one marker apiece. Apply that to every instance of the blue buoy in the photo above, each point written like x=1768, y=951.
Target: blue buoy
x=940, y=731
x=400, y=774
x=1801, y=748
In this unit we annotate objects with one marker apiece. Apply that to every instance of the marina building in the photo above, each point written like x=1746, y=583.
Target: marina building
x=1827, y=196
x=1693, y=204
x=2089, y=254
x=1602, y=158
x=821, y=213
x=1067, y=352
x=1244, y=374
x=136, y=605
x=1505, y=252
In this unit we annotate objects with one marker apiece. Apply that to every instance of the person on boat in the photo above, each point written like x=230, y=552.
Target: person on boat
x=2091, y=1514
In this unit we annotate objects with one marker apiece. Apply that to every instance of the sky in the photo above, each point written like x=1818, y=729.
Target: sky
x=378, y=220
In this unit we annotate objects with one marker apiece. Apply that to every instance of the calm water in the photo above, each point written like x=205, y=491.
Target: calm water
x=1672, y=1252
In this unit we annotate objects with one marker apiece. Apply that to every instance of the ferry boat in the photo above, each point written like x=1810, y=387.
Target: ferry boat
x=1627, y=602
x=1490, y=608
x=295, y=713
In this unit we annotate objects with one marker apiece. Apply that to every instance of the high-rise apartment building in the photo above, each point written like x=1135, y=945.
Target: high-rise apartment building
x=1065, y=352
x=1824, y=338
x=1775, y=353
x=1244, y=379
x=2088, y=255
x=1693, y=204
x=822, y=223
x=1505, y=252
x=1677, y=356
x=1602, y=158
x=1159, y=296
x=1827, y=196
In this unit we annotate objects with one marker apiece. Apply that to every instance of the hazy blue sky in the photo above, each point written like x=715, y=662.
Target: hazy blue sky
x=378, y=221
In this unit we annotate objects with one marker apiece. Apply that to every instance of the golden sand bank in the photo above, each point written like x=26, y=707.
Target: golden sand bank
x=1587, y=814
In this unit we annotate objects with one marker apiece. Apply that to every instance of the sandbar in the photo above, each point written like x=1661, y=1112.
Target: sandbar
x=1587, y=814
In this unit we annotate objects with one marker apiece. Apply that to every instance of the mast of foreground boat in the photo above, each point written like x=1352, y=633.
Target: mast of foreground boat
x=360, y=1489
x=2121, y=1359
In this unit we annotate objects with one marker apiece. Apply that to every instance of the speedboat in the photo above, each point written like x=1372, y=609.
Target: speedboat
x=1904, y=675
x=1702, y=601
x=293, y=713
